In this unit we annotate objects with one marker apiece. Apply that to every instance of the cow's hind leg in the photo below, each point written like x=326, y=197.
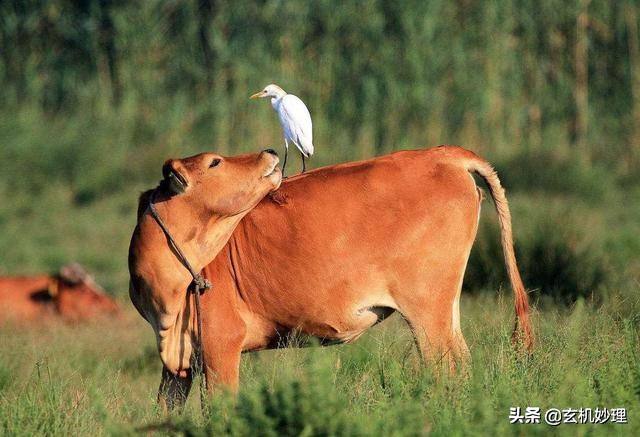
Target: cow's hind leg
x=460, y=349
x=174, y=389
x=433, y=336
x=434, y=318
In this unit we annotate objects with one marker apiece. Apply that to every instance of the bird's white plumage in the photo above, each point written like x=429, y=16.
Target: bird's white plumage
x=295, y=121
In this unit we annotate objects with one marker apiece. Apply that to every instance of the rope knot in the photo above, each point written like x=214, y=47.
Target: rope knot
x=201, y=283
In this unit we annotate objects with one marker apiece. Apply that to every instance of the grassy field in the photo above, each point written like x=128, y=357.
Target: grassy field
x=101, y=380
x=97, y=94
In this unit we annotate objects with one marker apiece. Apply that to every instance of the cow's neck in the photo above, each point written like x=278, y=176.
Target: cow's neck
x=244, y=252
x=200, y=235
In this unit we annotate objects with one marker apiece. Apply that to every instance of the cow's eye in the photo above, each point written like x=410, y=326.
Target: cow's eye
x=215, y=163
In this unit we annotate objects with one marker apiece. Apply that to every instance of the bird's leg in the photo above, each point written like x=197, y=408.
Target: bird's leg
x=303, y=166
x=286, y=152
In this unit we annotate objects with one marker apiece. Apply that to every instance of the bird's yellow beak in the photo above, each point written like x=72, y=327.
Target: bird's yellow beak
x=257, y=95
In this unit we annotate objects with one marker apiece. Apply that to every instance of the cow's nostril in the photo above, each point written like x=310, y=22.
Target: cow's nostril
x=271, y=151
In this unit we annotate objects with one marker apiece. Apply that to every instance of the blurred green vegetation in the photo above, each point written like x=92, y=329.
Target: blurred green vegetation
x=506, y=75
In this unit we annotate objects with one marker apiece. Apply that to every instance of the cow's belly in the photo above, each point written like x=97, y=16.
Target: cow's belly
x=340, y=322
x=347, y=328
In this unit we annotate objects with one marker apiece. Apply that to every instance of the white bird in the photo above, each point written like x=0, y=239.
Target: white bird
x=294, y=119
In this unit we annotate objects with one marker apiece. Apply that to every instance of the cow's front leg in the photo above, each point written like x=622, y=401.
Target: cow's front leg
x=223, y=338
x=222, y=367
x=174, y=389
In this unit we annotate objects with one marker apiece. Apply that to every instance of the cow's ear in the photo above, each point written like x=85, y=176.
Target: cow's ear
x=73, y=273
x=143, y=202
x=54, y=287
x=175, y=176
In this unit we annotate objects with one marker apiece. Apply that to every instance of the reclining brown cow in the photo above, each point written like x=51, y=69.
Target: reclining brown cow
x=71, y=295
x=329, y=254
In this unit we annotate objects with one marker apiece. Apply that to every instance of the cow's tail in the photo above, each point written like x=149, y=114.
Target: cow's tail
x=522, y=333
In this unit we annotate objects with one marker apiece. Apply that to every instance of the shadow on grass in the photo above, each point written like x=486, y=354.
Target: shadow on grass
x=554, y=261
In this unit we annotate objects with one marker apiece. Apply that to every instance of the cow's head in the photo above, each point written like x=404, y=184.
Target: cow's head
x=78, y=297
x=201, y=199
x=219, y=186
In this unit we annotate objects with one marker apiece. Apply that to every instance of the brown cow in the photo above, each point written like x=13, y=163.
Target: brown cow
x=72, y=295
x=330, y=254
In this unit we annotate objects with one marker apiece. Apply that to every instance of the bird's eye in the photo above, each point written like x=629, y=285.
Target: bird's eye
x=215, y=163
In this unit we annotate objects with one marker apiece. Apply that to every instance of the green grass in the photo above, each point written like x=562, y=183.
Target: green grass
x=101, y=380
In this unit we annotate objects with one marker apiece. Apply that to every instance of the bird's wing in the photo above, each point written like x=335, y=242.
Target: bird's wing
x=296, y=122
